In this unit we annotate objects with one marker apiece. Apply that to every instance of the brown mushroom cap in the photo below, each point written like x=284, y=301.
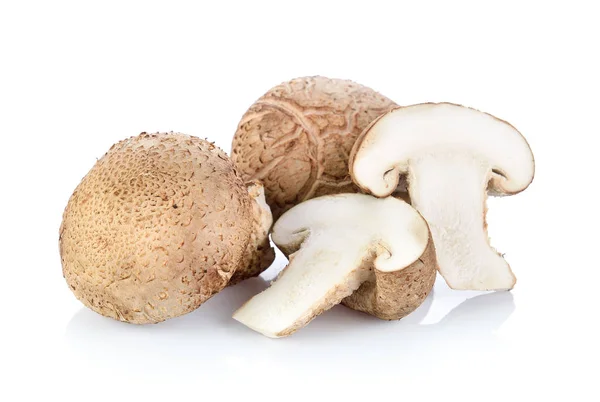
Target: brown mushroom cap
x=159, y=225
x=394, y=295
x=297, y=138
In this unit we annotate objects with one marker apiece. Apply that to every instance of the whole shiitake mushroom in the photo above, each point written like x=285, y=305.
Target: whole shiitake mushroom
x=160, y=224
x=296, y=139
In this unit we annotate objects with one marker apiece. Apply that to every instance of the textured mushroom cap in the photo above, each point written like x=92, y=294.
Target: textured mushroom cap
x=297, y=137
x=159, y=225
x=384, y=150
x=394, y=295
x=259, y=254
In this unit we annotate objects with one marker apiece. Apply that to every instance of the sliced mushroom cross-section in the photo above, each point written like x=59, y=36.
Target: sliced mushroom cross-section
x=380, y=249
x=452, y=156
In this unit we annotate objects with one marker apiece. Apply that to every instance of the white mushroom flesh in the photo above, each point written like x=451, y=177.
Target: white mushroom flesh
x=452, y=155
x=448, y=188
x=338, y=237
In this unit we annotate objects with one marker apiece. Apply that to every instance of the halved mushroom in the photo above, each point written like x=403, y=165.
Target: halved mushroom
x=338, y=243
x=452, y=156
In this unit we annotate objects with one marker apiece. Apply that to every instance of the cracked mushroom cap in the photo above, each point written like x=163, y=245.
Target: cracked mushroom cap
x=452, y=156
x=296, y=139
x=374, y=255
x=160, y=224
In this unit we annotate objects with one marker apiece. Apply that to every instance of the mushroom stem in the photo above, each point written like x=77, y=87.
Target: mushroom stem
x=315, y=280
x=449, y=189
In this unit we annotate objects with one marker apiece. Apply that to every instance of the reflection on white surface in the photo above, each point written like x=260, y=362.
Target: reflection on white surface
x=208, y=339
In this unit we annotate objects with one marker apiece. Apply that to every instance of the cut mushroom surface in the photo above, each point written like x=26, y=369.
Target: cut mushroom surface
x=452, y=157
x=337, y=243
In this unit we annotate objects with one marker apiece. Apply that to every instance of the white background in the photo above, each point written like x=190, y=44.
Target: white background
x=78, y=76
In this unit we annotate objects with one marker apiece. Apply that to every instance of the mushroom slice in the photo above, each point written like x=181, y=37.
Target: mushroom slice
x=338, y=243
x=452, y=156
